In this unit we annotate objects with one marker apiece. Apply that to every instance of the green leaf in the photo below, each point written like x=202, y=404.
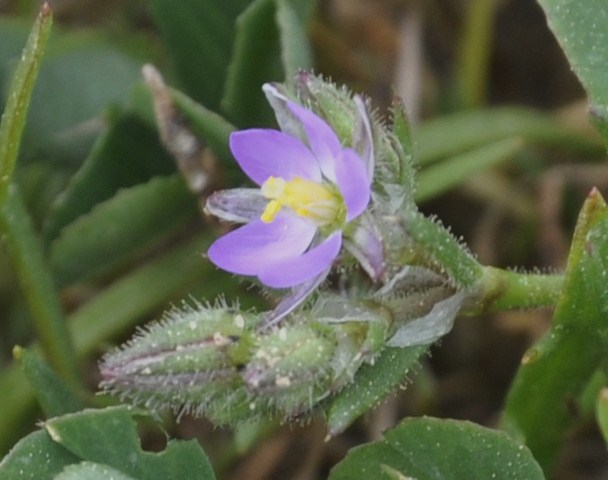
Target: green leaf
x=438, y=178
x=474, y=52
x=555, y=371
x=91, y=471
x=200, y=35
x=255, y=61
x=13, y=117
x=144, y=290
x=296, y=53
x=580, y=29
x=372, y=384
x=13, y=35
x=54, y=396
x=81, y=77
x=602, y=412
x=434, y=449
x=35, y=457
x=128, y=154
x=109, y=437
x=18, y=404
x=120, y=228
x=40, y=183
x=456, y=133
x=97, y=442
x=212, y=128
x=267, y=30
x=34, y=276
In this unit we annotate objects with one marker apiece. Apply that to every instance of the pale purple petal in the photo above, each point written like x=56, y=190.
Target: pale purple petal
x=262, y=153
x=305, y=125
x=258, y=246
x=363, y=142
x=238, y=205
x=286, y=119
x=296, y=270
x=322, y=140
x=293, y=299
x=353, y=181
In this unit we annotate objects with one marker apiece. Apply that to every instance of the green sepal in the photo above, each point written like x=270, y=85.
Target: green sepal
x=373, y=383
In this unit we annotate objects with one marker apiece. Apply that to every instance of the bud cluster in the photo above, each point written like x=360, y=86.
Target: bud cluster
x=214, y=361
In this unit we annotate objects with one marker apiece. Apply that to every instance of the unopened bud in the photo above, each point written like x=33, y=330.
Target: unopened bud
x=290, y=368
x=184, y=362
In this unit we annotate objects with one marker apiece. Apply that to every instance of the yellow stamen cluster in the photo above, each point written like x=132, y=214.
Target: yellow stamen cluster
x=317, y=202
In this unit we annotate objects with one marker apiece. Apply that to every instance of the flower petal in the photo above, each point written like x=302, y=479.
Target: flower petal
x=286, y=119
x=262, y=153
x=293, y=299
x=363, y=141
x=353, y=181
x=239, y=205
x=322, y=139
x=295, y=270
x=258, y=246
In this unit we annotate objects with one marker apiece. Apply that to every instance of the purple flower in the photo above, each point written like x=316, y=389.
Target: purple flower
x=310, y=188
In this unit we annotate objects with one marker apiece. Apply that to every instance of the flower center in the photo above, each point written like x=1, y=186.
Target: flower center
x=317, y=202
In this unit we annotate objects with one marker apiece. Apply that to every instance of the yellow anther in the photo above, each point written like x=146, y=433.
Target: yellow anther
x=316, y=201
x=271, y=211
x=273, y=187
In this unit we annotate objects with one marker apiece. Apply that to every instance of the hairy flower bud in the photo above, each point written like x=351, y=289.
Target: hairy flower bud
x=291, y=367
x=185, y=362
x=214, y=362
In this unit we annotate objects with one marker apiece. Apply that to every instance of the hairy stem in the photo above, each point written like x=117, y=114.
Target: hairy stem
x=507, y=290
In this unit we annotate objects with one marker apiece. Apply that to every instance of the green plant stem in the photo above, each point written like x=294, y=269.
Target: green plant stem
x=507, y=290
x=474, y=52
x=26, y=253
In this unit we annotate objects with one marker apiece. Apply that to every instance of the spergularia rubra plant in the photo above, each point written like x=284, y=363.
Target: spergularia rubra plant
x=333, y=195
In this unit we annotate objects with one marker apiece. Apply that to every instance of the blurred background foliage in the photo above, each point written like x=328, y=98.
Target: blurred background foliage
x=505, y=153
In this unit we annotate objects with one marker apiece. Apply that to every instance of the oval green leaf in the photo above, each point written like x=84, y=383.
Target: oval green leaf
x=435, y=449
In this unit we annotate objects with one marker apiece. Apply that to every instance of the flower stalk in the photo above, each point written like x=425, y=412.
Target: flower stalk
x=507, y=290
